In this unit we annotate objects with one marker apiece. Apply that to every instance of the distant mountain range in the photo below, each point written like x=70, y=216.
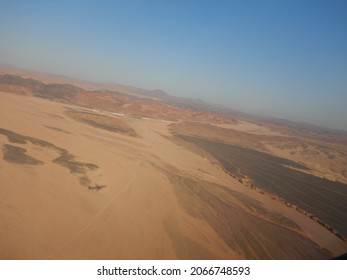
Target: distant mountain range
x=153, y=104
x=142, y=102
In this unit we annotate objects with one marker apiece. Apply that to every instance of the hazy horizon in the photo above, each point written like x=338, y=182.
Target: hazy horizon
x=286, y=60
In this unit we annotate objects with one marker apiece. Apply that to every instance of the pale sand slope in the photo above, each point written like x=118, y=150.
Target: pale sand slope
x=45, y=213
x=252, y=128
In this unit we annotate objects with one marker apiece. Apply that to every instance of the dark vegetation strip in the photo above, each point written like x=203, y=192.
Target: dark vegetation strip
x=325, y=199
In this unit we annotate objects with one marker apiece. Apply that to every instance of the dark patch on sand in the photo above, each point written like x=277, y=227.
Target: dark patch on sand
x=55, y=116
x=69, y=161
x=127, y=131
x=14, y=154
x=57, y=129
x=65, y=159
x=96, y=187
x=13, y=137
x=102, y=122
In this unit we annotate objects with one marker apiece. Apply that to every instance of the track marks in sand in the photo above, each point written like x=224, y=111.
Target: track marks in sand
x=254, y=236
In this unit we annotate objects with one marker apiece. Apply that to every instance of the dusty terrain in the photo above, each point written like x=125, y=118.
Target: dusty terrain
x=105, y=183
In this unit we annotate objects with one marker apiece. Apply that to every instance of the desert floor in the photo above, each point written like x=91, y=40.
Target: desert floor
x=72, y=190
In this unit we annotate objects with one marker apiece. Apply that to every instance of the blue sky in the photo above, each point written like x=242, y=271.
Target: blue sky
x=286, y=59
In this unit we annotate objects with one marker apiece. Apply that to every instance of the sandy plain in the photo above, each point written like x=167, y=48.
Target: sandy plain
x=100, y=194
